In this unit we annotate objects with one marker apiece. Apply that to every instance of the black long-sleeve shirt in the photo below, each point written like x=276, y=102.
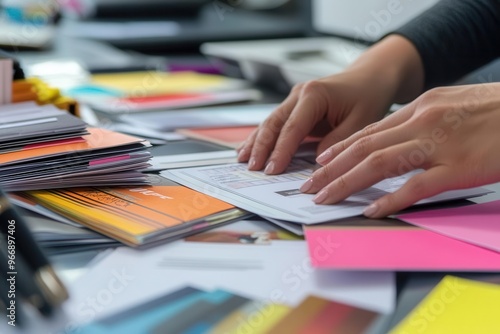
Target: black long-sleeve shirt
x=455, y=37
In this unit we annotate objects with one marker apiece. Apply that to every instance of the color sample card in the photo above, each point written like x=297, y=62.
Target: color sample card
x=476, y=224
x=316, y=315
x=389, y=244
x=456, y=305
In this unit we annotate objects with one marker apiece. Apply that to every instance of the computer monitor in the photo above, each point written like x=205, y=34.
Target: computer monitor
x=364, y=20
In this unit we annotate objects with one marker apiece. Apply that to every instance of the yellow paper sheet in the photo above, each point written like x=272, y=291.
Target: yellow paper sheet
x=455, y=306
x=148, y=83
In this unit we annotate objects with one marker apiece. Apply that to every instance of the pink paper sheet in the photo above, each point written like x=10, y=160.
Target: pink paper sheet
x=409, y=249
x=477, y=224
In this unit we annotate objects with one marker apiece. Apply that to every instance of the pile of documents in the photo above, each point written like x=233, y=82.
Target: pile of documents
x=64, y=237
x=447, y=309
x=138, y=216
x=137, y=92
x=224, y=280
x=191, y=310
x=42, y=147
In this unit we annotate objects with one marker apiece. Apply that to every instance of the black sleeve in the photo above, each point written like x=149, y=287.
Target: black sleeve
x=455, y=37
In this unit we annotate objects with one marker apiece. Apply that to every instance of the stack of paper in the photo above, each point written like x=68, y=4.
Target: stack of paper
x=44, y=148
x=140, y=215
x=27, y=125
x=132, y=92
x=224, y=116
x=60, y=238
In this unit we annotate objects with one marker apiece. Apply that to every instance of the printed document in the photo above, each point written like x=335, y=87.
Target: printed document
x=278, y=196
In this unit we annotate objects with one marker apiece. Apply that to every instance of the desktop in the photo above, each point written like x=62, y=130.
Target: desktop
x=131, y=286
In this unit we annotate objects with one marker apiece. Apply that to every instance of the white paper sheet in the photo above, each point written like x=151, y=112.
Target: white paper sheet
x=279, y=272
x=278, y=196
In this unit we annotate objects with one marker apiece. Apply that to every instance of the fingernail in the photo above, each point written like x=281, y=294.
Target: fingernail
x=371, y=210
x=306, y=186
x=324, y=157
x=320, y=197
x=269, y=168
x=251, y=163
x=241, y=154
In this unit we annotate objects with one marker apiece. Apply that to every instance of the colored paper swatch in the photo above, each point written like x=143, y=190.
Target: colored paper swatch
x=456, y=305
x=316, y=315
x=477, y=224
x=386, y=244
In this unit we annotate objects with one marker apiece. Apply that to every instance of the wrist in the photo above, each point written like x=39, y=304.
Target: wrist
x=394, y=67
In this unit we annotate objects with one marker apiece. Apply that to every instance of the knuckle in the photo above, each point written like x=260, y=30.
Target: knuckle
x=282, y=154
x=265, y=138
x=341, y=185
x=273, y=123
x=361, y=148
x=429, y=115
x=292, y=128
x=431, y=96
x=341, y=146
x=416, y=186
x=297, y=87
x=377, y=161
x=473, y=172
x=390, y=203
x=369, y=129
x=324, y=173
x=312, y=87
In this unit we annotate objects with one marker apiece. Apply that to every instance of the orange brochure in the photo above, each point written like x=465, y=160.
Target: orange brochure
x=97, y=139
x=139, y=215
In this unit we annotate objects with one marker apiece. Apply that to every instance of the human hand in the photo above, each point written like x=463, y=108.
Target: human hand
x=336, y=106
x=333, y=108
x=451, y=133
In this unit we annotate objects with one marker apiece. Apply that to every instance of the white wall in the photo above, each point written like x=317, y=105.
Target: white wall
x=365, y=19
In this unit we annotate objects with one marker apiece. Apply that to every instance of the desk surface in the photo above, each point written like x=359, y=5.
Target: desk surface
x=412, y=286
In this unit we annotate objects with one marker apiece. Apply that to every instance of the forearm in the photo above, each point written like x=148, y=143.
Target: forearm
x=396, y=68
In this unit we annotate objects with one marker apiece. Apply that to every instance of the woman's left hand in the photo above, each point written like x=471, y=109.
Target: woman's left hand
x=452, y=133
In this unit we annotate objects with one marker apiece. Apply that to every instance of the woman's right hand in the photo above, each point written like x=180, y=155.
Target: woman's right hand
x=335, y=107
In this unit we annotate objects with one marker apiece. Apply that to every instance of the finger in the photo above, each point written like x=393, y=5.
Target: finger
x=378, y=166
x=393, y=120
x=310, y=109
x=424, y=185
x=371, y=149
x=245, y=148
x=339, y=133
x=261, y=145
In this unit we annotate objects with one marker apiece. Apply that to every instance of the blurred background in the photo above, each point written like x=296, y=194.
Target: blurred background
x=273, y=44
